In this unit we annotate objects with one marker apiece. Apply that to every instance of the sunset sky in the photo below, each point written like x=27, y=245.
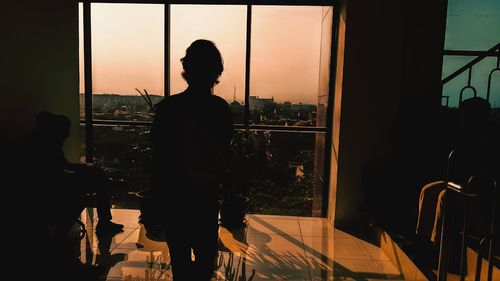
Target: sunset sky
x=128, y=47
x=128, y=42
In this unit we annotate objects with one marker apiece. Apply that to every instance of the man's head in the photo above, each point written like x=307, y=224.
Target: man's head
x=52, y=127
x=474, y=114
x=202, y=64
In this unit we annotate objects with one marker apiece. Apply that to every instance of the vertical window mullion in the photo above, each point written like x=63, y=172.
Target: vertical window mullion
x=87, y=57
x=330, y=110
x=247, y=66
x=166, y=72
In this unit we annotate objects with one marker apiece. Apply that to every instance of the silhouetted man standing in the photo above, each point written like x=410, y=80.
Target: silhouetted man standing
x=191, y=137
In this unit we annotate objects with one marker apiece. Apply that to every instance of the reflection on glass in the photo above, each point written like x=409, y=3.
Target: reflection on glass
x=472, y=25
x=127, y=53
x=479, y=80
x=285, y=56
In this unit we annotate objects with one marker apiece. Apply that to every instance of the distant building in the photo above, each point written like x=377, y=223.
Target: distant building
x=287, y=106
x=256, y=103
x=303, y=107
x=237, y=111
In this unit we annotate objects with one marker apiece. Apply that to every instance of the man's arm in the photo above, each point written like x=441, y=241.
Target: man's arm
x=72, y=167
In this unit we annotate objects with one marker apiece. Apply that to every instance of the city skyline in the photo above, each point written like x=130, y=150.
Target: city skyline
x=242, y=102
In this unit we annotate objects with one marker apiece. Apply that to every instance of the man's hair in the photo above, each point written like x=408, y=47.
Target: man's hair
x=202, y=63
x=475, y=111
x=52, y=125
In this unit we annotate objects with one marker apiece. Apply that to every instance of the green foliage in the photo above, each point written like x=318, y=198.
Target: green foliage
x=147, y=99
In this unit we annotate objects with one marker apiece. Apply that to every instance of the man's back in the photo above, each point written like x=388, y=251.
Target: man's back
x=191, y=135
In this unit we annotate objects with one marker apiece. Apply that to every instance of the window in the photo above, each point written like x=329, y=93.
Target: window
x=277, y=53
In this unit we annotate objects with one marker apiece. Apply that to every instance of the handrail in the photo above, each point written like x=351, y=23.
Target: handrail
x=252, y=127
x=470, y=64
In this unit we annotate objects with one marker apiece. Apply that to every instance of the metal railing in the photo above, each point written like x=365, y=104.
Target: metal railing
x=494, y=51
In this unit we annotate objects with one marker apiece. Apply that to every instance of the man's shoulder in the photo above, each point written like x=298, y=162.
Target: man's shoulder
x=170, y=101
x=219, y=101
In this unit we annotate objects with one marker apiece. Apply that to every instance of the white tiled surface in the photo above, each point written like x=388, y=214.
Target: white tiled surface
x=271, y=248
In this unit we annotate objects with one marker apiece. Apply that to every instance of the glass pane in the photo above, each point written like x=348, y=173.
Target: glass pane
x=479, y=80
x=280, y=172
x=83, y=151
x=285, y=63
x=226, y=27
x=124, y=152
x=127, y=53
x=324, y=66
x=472, y=25
x=453, y=63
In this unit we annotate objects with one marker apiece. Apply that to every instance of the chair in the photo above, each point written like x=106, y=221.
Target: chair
x=479, y=189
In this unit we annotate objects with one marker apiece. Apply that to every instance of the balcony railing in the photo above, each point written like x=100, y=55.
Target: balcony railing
x=279, y=177
x=494, y=51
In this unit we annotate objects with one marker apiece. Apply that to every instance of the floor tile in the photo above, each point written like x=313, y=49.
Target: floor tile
x=273, y=217
x=319, y=247
x=270, y=248
x=388, y=269
x=268, y=267
x=105, y=242
x=273, y=244
x=357, y=270
x=375, y=252
x=129, y=218
x=262, y=225
x=145, y=264
x=320, y=268
x=318, y=227
x=350, y=248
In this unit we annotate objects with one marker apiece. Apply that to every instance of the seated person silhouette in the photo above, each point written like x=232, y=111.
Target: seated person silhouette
x=67, y=184
x=475, y=154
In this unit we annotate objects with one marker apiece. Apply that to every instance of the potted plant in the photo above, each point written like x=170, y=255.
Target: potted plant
x=235, y=202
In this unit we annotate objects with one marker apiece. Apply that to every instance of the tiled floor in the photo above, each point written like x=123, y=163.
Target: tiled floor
x=270, y=248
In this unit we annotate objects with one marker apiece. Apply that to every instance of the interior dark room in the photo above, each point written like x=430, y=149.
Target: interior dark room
x=348, y=140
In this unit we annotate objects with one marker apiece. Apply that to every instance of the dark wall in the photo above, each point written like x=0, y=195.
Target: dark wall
x=39, y=66
x=39, y=72
x=390, y=96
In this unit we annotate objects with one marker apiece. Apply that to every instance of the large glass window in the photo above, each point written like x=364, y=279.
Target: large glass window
x=285, y=66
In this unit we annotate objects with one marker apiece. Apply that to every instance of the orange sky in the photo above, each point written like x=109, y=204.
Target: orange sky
x=127, y=48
